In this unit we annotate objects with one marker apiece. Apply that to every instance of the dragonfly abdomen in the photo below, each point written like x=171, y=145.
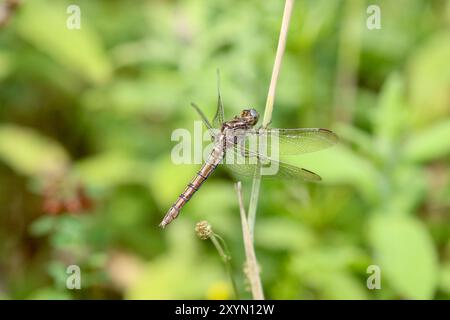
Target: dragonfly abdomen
x=192, y=187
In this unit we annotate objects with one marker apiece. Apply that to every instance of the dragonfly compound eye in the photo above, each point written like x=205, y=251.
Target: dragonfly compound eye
x=254, y=113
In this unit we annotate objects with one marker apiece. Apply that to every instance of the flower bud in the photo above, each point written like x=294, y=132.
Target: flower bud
x=203, y=230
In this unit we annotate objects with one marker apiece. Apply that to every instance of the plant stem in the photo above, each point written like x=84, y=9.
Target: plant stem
x=223, y=251
x=256, y=184
x=289, y=4
x=252, y=265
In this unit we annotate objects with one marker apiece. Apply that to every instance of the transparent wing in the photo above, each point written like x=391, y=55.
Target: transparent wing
x=291, y=141
x=245, y=162
x=219, y=116
x=202, y=115
x=212, y=131
x=285, y=171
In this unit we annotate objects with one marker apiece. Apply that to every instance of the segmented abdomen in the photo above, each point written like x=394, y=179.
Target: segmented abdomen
x=211, y=163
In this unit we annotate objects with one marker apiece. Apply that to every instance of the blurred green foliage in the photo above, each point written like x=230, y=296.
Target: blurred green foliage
x=97, y=106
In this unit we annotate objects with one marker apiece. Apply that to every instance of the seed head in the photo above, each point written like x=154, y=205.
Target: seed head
x=203, y=230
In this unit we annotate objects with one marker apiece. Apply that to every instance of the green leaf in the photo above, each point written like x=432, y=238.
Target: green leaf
x=43, y=24
x=343, y=286
x=5, y=64
x=405, y=253
x=42, y=226
x=70, y=233
x=361, y=139
x=401, y=199
x=283, y=234
x=430, y=80
x=340, y=165
x=30, y=153
x=131, y=98
x=429, y=144
x=444, y=282
x=57, y=271
x=164, y=170
x=391, y=109
x=110, y=169
x=326, y=270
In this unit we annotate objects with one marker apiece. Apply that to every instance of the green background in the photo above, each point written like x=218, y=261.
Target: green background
x=97, y=107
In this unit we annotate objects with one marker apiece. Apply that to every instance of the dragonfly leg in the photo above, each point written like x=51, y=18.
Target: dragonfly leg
x=263, y=127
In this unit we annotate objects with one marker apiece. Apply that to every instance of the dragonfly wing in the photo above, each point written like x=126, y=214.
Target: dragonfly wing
x=285, y=171
x=205, y=121
x=241, y=170
x=202, y=115
x=291, y=141
x=219, y=116
x=245, y=163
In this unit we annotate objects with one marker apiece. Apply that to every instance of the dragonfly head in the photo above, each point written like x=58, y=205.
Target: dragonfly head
x=250, y=115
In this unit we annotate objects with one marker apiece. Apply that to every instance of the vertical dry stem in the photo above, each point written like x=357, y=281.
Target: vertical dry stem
x=277, y=64
x=251, y=263
x=269, y=107
x=248, y=226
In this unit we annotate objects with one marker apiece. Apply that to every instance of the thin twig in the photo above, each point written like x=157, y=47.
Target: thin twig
x=252, y=265
x=223, y=251
x=254, y=196
x=269, y=108
x=277, y=64
x=204, y=231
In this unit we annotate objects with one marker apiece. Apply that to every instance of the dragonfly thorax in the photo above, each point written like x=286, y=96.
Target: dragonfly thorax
x=251, y=116
x=247, y=119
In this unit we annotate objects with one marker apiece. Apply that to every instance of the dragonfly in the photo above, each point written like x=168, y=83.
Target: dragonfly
x=252, y=150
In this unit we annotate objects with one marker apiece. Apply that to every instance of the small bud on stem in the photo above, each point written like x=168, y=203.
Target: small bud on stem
x=203, y=230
